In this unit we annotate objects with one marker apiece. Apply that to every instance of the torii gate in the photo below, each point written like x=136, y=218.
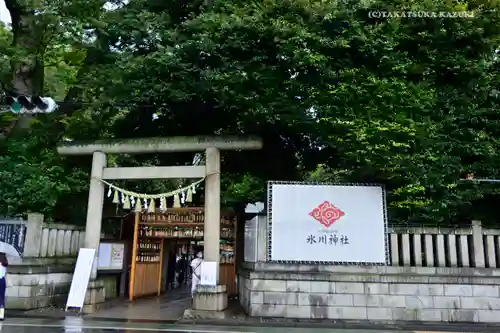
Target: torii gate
x=211, y=170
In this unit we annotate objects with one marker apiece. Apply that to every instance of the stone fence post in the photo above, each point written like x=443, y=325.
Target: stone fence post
x=33, y=235
x=477, y=243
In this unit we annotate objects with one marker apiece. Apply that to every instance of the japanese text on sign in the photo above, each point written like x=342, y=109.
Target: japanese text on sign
x=330, y=239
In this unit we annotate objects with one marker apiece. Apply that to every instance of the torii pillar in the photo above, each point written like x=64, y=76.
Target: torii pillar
x=208, y=298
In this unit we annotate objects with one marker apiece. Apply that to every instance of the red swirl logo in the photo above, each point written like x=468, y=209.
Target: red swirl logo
x=326, y=214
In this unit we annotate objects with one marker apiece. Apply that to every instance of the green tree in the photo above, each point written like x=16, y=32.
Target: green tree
x=407, y=102
x=414, y=107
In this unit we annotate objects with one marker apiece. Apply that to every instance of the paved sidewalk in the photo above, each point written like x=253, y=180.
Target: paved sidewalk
x=169, y=308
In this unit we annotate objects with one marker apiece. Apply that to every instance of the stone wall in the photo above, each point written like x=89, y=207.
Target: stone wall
x=43, y=276
x=37, y=283
x=372, y=293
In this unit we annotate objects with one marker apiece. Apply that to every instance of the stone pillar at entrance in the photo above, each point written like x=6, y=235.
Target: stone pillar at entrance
x=212, y=207
x=94, y=208
x=95, y=290
x=212, y=298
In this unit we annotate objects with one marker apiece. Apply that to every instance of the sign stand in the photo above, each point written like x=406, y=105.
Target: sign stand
x=80, y=281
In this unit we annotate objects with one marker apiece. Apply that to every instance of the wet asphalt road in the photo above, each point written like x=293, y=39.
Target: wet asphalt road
x=78, y=325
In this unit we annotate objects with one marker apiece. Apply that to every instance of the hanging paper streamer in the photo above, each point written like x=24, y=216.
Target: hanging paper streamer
x=163, y=204
x=177, y=201
x=115, y=198
x=152, y=206
x=138, y=207
x=126, y=204
x=129, y=198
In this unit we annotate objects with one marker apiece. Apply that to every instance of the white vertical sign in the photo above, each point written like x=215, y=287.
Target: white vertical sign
x=81, y=276
x=208, y=273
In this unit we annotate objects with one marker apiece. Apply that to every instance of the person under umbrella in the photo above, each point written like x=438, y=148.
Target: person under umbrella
x=3, y=284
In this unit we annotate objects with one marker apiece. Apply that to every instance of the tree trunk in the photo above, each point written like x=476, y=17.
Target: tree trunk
x=28, y=67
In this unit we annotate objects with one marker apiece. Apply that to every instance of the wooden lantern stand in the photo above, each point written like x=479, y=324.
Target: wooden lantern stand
x=150, y=232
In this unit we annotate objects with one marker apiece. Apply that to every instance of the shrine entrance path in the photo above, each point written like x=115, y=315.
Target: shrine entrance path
x=167, y=308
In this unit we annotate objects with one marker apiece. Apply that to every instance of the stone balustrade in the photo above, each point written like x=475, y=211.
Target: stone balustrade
x=445, y=247
x=60, y=240
x=43, y=276
x=410, y=247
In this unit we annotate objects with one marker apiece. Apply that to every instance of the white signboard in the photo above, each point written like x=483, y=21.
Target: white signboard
x=104, y=255
x=111, y=256
x=81, y=276
x=208, y=273
x=250, y=249
x=328, y=223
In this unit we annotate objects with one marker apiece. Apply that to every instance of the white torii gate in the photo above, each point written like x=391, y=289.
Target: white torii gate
x=211, y=170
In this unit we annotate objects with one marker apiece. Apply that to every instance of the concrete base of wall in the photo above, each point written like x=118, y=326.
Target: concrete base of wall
x=209, y=298
x=370, y=293
x=190, y=314
x=95, y=297
x=38, y=283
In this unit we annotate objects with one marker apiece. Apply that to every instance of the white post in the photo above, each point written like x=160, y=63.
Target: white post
x=94, y=207
x=477, y=243
x=212, y=207
x=33, y=238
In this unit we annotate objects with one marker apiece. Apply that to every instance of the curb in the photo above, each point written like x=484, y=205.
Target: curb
x=286, y=323
x=364, y=325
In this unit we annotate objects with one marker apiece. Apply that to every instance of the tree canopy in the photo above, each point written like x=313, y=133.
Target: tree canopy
x=337, y=95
